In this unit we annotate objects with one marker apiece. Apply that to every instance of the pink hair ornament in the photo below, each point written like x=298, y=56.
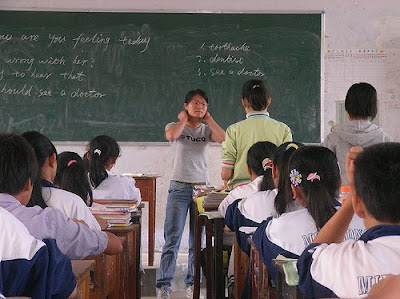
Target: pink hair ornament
x=313, y=176
x=71, y=162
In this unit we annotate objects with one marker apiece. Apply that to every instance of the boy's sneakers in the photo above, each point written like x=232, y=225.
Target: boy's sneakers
x=189, y=293
x=163, y=292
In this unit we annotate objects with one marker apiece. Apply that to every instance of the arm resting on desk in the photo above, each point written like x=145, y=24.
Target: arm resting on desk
x=114, y=245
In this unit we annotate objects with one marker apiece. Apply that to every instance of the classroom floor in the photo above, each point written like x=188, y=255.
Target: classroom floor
x=177, y=283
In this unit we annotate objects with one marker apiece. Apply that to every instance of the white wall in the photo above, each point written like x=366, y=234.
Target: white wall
x=349, y=25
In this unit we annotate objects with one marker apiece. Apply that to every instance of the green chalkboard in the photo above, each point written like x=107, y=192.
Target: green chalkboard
x=74, y=75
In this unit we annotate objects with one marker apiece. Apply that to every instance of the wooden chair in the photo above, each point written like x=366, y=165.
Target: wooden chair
x=241, y=266
x=260, y=287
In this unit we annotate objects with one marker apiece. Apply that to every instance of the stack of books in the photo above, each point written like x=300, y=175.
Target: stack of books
x=116, y=212
x=213, y=200
x=114, y=218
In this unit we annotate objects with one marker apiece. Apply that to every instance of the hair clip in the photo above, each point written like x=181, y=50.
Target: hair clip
x=97, y=151
x=295, y=177
x=255, y=86
x=313, y=176
x=71, y=162
x=267, y=164
x=294, y=145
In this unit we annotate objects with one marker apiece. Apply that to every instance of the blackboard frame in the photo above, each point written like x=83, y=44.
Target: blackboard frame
x=239, y=114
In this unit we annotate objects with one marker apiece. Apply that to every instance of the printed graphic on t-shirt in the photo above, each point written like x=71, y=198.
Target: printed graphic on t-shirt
x=366, y=282
x=188, y=137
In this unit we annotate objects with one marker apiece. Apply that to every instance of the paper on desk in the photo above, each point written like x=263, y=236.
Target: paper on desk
x=133, y=174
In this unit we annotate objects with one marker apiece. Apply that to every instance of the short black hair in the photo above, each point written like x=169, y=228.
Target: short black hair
x=377, y=177
x=192, y=93
x=17, y=164
x=361, y=101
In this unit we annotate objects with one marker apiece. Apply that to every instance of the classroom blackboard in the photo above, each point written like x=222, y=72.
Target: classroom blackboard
x=74, y=75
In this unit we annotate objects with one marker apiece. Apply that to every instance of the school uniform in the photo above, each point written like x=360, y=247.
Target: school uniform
x=69, y=203
x=239, y=137
x=74, y=239
x=250, y=212
x=240, y=192
x=117, y=187
x=30, y=267
x=290, y=233
x=353, y=133
x=351, y=268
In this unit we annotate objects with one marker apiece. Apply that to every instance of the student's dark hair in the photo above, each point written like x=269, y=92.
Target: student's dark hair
x=17, y=164
x=86, y=162
x=318, y=178
x=281, y=162
x=377, y=177
x=256, y=93
x=101, y=149
x=194, y=92
x=43, y=148
x=361, y=101
x=259, y=160
x=72, y=176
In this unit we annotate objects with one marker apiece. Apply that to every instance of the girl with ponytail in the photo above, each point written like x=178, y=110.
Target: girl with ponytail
x=258, y=126
x=71, y=176
x=102, y=155
x=314, y=180
x=45, y=192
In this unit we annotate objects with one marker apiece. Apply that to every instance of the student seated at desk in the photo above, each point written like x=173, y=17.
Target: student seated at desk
x=258, y=162
x=315, y=181
x=45, y=193
x=244, y=216
x=72, y=176
x=74, y=239
x=102, y=155
x=29, y=267
x=331, y=267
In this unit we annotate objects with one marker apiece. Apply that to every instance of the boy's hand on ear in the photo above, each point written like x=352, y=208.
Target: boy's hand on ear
x=183, y=115
x=349, y=167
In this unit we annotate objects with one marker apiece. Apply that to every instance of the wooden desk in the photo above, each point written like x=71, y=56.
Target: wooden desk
x=241, y=265
x=130, y=257
x=105, y=275
x=81, y=269
x=214, y=256
x=147, y=186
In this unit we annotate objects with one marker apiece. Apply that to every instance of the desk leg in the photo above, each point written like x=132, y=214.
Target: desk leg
x=209, y=261
x=219, y=279
x=152, y=227
x=197, y=254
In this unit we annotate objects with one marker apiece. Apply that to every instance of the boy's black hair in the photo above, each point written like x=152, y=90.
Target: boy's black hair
x=192, y=93
x=72, y=176
x=256, y=93
x=256, y=154
x=17, y=164
x=43, y=148
x=101, y=149
x=361, y=101
x=377, y=177
x=281, y=162
x=320, y=193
